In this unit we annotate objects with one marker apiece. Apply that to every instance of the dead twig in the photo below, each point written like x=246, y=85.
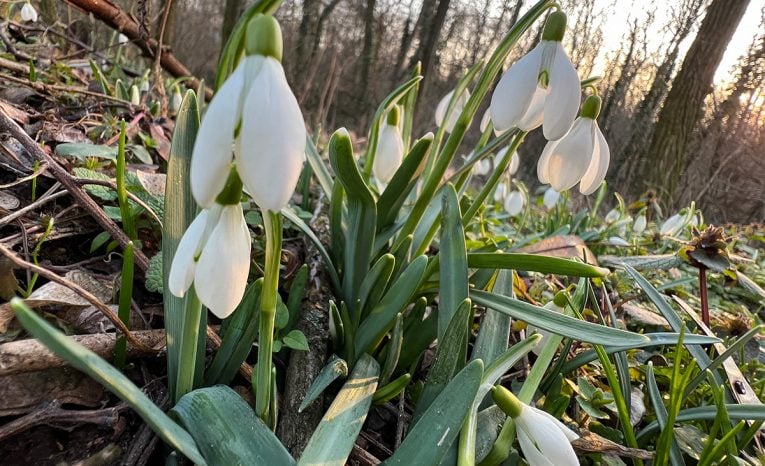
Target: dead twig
x=63, y=177
x=88, y=296
x=44, y=199
x=47, y=88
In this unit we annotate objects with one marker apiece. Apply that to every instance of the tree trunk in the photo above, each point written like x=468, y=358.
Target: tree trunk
x=367, y=54
x=682, y=109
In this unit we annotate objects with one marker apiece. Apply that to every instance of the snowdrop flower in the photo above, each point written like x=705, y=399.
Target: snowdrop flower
x=672, y=225
x=514, y=203
x=485, y=120
x=135, y=95
x=515, y=162
x=616, y=241
x=556, y=305
x=612, y=216
x=550, y=198
x=639, y=226
x=144, y=86
x=544, y=440
x=122, y=39
x=443, y=106
x=540, y=88
x=581, y=156
x=177, y=100
x=501, y=192
x=256, y=116
x=214, y=254
x=390, y=148
x=28, y=13
x=482, y=167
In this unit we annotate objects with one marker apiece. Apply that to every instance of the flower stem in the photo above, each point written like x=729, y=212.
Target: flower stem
x=188, y=348
x=272, y=222
x=126, y=295
x=703, y=295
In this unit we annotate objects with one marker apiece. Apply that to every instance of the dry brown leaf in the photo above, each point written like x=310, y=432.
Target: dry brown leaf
x=162, y=141
x=643, y=316
x=8, y=201
x=590, y=442
x=153, y=183
x=568, y=246
x=14, y=112
x=23, y=392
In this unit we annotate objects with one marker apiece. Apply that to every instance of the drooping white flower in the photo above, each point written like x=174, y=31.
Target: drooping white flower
x=28, y=13
x=270, y=147
x=135, y=95
x=390, y=148
x=176, y=101
x=550, y=198
x=581, y=156
x=443, y=106
x=542, y=88
x=122, y=39
x=612, y=216
x=530, y=329
x=485, y=120
x=482, y=167
x=544, y=440
x=514, y=203
x=639, y=226
x=616, y=241
x=214, y=254
x=501, y=191
x=672, y=225
x=515, y=161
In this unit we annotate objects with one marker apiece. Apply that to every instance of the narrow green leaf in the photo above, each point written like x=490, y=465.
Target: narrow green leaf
x=227, y=430
x=657, y=401
x=453, y=290
x=393, y=349
x=419, y=333
x=430, y=439
x=91, y=364
x=320, y=170
x=736, y=412
x=376, y=281
x=402, y=183
x=295, y=298
x=494, y=332
x=180, y=210
x=535, y=263
x=334, y=369
x=290, y=215
x=559, y=324
x=333, y=439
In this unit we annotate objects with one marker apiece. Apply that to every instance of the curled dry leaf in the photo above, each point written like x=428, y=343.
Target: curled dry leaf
x=568, y=246
x=590, y=442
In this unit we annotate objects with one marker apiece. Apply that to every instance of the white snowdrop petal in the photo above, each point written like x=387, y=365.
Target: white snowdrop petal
x=183, y=265
x=213, y=147
x=550, y=198
x=571, y=157
x=570, y=434
x=671, y=225
x=223, y=267
x=515, y=163
x=515, y=91
x=562, y=103
x=443, y=105
x=28, y=13
x=530, y=451
x=552, y=443
x=485, y=120
x=639, y=226
x=596, y=172
x=272, y=139
x=543, y=164
x=534, y=115
x=514, y=203
x=389, y=154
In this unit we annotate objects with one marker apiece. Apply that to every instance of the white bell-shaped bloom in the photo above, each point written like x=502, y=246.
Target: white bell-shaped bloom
x=616, y=241
x=270, y=149
x=389, y=154
x=176, y=101
x=612, y=216
x=515, y=161
x=482, y=167
x=530, y=329
x=581, y=156
x=122, y=39
x=135, y=95
x=550, y=198
x=672, y=225
x=542, y=88
x=500, y=193
x=514, y=203
x=28, y=13
x=544, y=440
x=639, y=226
x=214, y=254
x=443, y=106
x=485, y=120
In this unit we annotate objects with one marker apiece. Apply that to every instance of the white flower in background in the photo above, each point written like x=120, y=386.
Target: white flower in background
x=514, y=203
x=550, y=199
x=122, y=39
x=485, y=120
x=530, y=329
x=390, y=148
x=544, y=440
x=639, y=226
x=616, y=241
x=581, y=156
x=672, y=225
x=612, y=216
x=501, y=191
x=542, y=88
x=177, y=100
x=28, y=13
x=443, y=106
x=482, y=167
x=144, y=84
x=269, y=149
x=214, y=254
x=515, y=161
x=135, y=95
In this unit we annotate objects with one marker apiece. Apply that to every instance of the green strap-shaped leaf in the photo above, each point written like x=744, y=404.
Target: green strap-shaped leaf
x=657, y=401
x=736, y=412
x=494, y=333
x=402, y=183
x=400, y=294
x=376, y=281
x=361, y=215
x=320, y=170
x=334, y=369
x=453, y=260
x=432, y=436
x=180, y=210
x=334, y=437
x=535, y=263
x=90, y=363
x=559, y=324
x=227, y=429
x=290, y=215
